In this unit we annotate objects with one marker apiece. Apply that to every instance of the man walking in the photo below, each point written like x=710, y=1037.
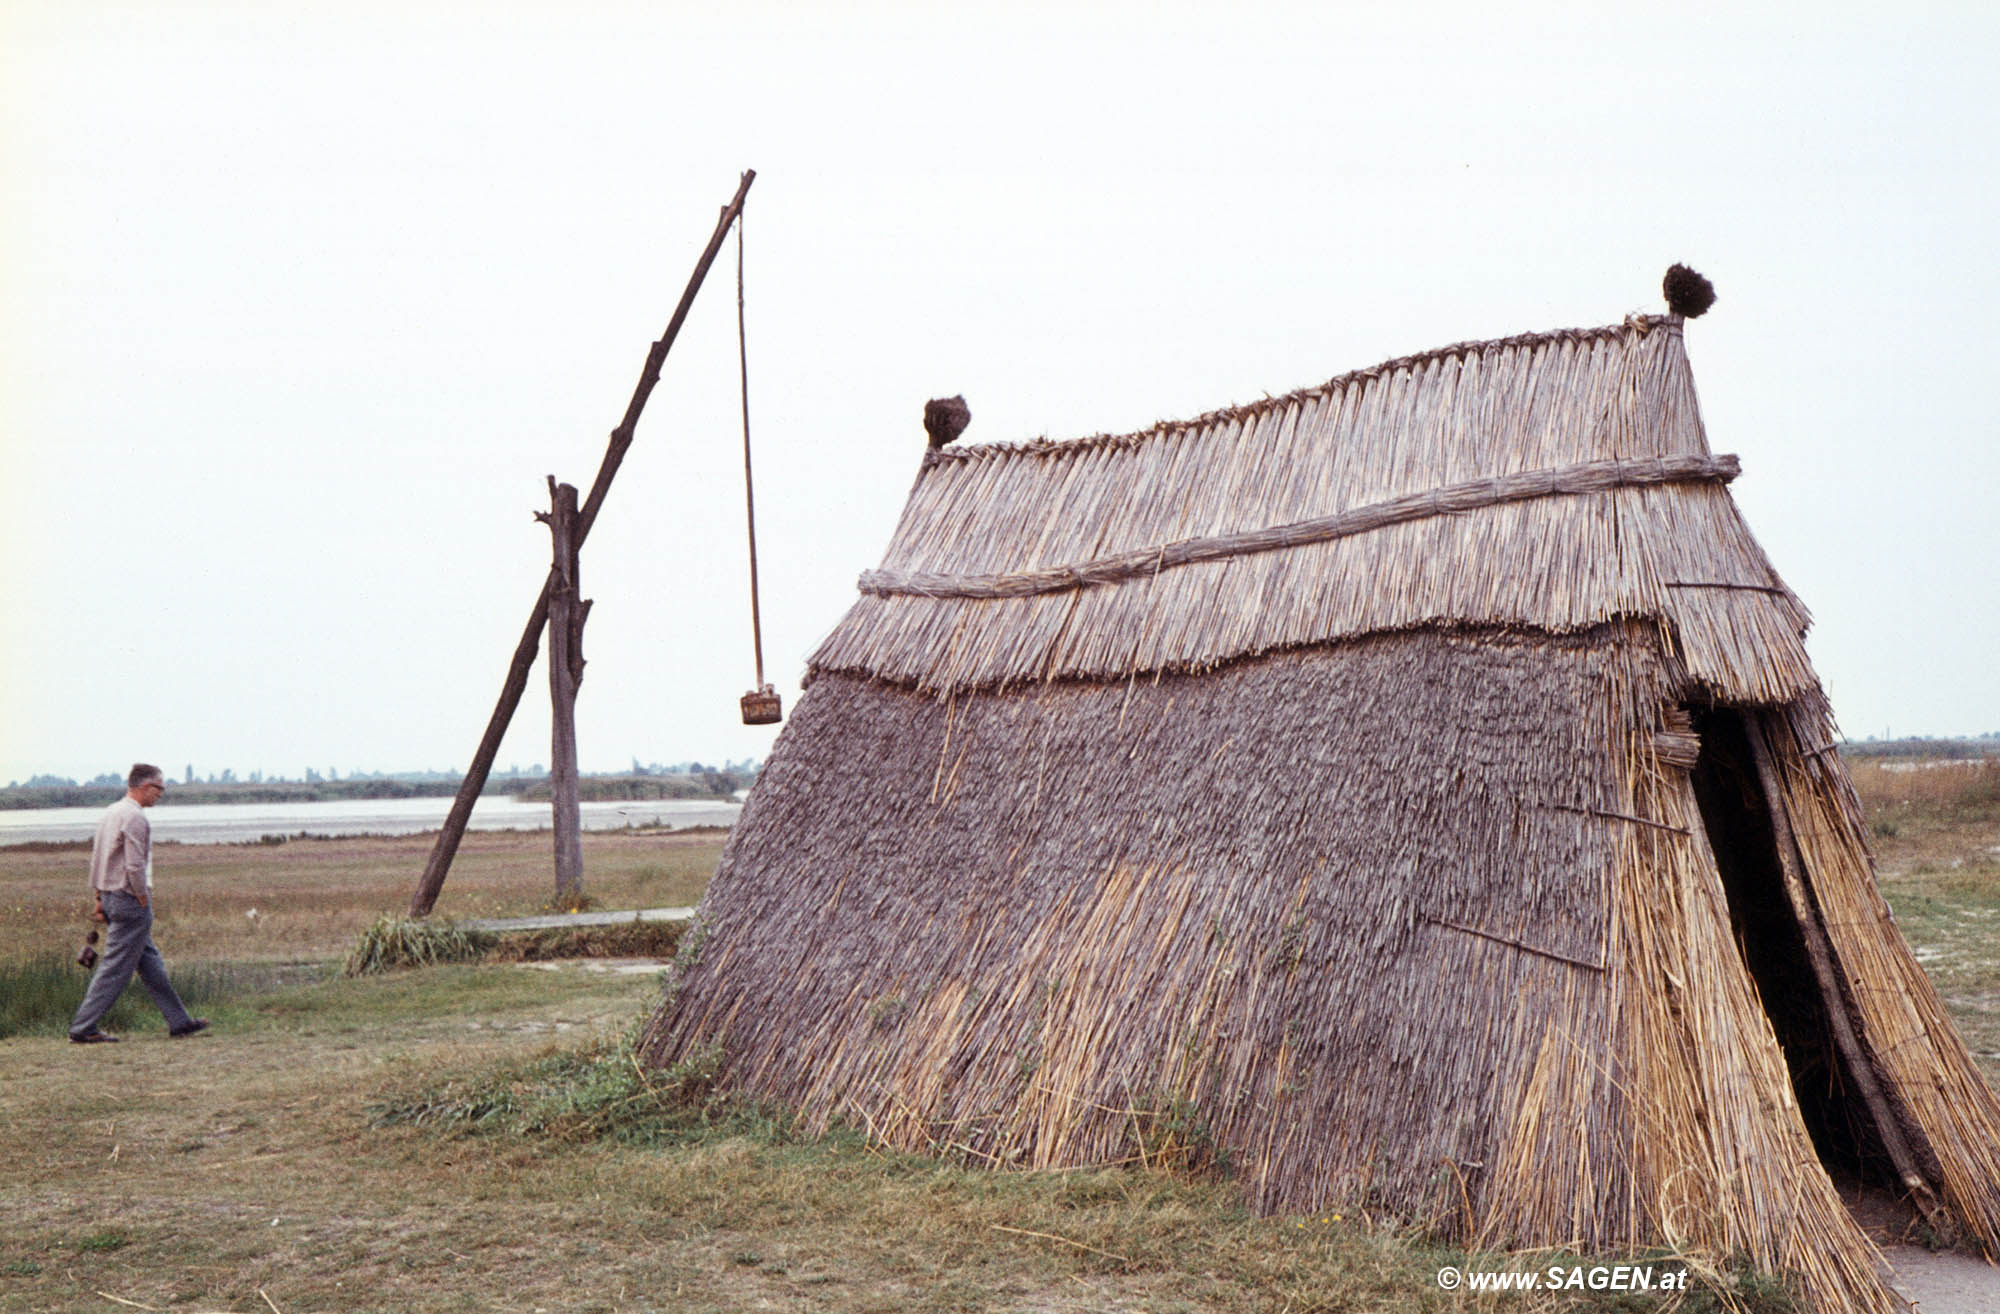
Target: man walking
x=121, y=876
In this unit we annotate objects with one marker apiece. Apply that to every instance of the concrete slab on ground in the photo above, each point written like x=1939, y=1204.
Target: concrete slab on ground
x=549, y=921
x=1944, y=1283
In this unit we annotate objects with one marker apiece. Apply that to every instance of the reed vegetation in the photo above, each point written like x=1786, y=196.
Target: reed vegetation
x=1926, y=793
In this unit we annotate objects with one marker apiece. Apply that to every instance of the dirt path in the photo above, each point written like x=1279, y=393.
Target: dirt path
x=1947, y=1283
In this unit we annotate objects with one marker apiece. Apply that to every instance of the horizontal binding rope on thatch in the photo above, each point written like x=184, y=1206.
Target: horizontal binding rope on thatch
x=1718, y=584
x=1511, y=942
x=1569, y=480
x=1622, y=816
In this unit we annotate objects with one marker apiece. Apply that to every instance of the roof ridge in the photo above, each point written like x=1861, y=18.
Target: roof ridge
x=1636, y=325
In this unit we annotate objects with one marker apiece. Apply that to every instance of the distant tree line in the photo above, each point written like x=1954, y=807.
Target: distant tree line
x=688, y=780
x=1986, y=745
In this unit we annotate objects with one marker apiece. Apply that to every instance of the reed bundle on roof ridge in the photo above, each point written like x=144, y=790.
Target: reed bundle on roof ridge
x=1640, y=324
x=1430, y=858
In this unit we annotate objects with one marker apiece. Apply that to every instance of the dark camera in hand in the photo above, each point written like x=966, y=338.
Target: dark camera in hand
x=88, y=957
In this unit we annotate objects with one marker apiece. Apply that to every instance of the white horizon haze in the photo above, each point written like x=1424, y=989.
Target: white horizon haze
x=303, y=302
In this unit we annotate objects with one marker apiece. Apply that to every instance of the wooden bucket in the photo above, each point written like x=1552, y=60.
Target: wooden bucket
x=762, y=707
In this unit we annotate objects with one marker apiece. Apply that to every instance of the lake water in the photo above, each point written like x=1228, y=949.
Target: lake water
x=231, y=823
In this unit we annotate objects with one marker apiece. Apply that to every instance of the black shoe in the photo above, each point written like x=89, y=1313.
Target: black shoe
x=94, y=1037
x=194, y=1025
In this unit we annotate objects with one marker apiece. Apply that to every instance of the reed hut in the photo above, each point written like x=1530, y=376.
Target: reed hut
x=1411, y=790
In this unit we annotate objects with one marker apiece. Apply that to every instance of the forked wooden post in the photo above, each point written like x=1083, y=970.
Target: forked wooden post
x=567, y=612
x=453, y=830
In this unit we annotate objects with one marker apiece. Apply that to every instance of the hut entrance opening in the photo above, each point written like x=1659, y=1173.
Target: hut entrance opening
x=1737, y=814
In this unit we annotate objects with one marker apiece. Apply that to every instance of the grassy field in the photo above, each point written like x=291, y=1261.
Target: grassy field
x=311, y=897
x=1936, y=832
x=475, y=1137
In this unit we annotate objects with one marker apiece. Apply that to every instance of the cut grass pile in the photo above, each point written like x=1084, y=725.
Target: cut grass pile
x=580, y=1095
x=393, y=942
x=633, y=939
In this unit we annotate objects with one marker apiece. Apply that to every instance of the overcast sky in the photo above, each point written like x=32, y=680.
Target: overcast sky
x=302, y=301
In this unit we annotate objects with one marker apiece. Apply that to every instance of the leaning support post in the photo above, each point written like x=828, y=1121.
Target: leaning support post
x=453, y=830
x=567, y=611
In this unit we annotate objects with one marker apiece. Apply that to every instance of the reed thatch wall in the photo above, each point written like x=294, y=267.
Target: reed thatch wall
x=1677, y=553
x=1385, y=920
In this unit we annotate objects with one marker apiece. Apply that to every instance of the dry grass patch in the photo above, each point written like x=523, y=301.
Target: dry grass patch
x=1936, y=835
x=312, y=897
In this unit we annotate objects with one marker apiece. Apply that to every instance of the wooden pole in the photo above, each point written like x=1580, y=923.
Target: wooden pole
x=566, y=615
x=435, y=869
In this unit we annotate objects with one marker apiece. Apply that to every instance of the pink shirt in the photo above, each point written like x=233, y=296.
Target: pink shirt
x=122, y=856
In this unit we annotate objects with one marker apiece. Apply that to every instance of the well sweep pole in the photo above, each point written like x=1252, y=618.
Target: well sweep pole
x=446, y=847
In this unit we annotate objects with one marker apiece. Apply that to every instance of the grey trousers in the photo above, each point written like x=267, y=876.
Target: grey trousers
x=128, y=948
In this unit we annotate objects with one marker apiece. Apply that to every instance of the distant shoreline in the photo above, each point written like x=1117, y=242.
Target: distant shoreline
x=717, y=785
x=277, y=823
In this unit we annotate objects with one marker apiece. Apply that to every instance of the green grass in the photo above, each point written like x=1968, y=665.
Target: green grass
x=39, y=996
x=1936, y=835
x=472, y=997
x=600, y=1092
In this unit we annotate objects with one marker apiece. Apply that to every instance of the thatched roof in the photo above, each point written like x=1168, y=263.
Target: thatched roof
x=1198, y=543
